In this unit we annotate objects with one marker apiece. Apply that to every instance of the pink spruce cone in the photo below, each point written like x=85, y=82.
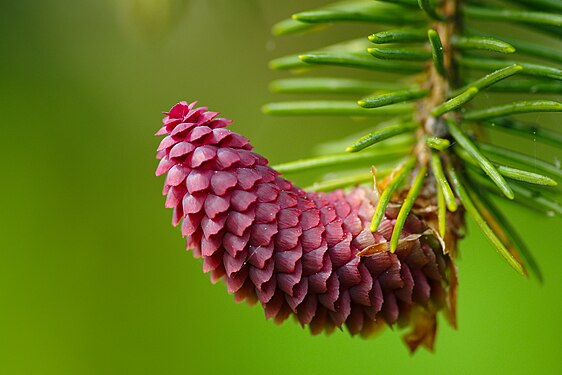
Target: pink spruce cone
x=296, y=252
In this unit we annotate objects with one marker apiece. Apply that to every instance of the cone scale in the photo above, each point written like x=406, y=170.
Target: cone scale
x=310, y=255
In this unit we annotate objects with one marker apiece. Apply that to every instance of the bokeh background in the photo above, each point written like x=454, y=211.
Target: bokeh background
x=94, y=280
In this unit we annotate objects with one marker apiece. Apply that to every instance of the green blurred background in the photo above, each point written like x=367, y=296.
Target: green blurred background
x=94, y=280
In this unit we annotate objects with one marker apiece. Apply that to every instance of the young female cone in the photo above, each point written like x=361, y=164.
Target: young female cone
x=311, y=255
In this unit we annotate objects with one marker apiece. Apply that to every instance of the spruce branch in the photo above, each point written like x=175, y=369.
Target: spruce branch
x=441, y=103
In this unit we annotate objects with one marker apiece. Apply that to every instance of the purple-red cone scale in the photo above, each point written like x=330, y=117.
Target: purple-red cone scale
x=295, y=252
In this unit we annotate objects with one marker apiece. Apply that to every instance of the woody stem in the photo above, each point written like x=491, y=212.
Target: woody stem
x=437, y=84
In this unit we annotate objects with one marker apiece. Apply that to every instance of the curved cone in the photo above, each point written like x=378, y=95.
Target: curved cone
x=297, y=252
